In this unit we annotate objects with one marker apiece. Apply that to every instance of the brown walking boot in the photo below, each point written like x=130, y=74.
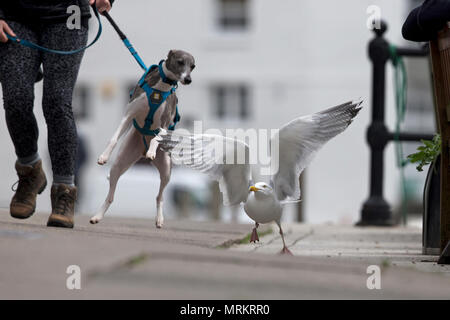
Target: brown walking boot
x=63, y=205
x=31, y=182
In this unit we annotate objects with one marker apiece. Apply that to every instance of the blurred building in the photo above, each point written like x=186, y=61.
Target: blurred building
x=260, y=63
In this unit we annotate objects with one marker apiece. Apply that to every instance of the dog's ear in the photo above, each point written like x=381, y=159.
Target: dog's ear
x=171, y=53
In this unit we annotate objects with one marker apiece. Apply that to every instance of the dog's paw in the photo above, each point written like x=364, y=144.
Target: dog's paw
x=159, y=222
x=151, y=155
x=95, y=219
x=102, y=159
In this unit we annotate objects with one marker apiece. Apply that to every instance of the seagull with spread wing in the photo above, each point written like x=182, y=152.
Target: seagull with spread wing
x=298, y=141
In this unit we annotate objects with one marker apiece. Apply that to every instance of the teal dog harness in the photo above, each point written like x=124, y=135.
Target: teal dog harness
x=155, y=99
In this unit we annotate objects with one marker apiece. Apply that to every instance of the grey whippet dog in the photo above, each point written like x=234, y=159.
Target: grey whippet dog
x=177, y=67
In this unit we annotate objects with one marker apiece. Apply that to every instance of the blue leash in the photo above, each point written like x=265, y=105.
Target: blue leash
x=30, y=44
x=126, y=42
x=122, y=36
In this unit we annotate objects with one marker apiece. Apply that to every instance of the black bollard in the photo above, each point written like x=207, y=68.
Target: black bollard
x=376, y=211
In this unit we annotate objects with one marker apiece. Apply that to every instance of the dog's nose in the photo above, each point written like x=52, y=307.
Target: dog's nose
x=187, y=80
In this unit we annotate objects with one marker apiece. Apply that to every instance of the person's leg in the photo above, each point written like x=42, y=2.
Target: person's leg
x=19, y=67
x=18, y=71
x=60, y=74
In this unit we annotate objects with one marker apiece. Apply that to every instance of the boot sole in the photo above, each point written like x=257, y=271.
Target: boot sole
x=32, y=212
x=59, y=221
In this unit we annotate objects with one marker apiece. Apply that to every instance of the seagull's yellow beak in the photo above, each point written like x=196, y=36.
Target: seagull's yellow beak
x=253, y=188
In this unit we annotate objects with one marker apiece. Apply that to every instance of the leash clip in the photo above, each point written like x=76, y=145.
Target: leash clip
x=12, y=38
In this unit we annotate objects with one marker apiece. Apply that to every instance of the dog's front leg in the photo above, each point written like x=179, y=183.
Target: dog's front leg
x=132, y=109
x=154, y=143
x=124, y=124
x=129, y=152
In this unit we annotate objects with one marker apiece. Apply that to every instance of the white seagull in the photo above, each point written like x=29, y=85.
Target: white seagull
x=298, y=142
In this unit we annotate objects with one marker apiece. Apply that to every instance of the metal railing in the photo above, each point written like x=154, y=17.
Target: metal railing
x=376, y=211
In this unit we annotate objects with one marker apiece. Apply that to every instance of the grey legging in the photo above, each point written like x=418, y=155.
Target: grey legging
x=19, y=67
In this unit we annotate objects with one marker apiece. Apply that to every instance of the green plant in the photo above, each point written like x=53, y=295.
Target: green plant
x=244, y=240
x=427, y=153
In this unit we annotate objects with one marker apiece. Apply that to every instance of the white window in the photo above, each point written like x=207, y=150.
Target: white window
x=233, y=14
x=231, y=101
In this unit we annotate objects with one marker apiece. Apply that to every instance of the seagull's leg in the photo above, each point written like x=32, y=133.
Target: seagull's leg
x=285, y=249
x=254, y=236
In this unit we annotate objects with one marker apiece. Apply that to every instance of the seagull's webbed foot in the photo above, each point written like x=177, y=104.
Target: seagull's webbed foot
x=254, y=237
x=285, y=250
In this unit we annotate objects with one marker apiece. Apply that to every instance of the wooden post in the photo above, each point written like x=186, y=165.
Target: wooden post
x=440, y=56
x=301, y=204
x=215, y=201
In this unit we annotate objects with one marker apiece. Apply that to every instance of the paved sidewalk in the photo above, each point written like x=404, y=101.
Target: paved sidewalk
x=130, y=258
x=392, y=246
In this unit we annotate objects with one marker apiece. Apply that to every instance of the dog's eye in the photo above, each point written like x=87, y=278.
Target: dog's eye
x=180, y=62
x=192, y=67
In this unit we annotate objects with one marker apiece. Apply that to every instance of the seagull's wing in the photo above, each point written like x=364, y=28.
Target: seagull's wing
x=300, y=139
x=223, y=159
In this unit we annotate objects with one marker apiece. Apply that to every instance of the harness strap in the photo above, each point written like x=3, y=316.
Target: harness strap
x=176, y=119
x=142, y=79
x=145, y=132
x=164, y=77
x=155, y=99
x=32, y=45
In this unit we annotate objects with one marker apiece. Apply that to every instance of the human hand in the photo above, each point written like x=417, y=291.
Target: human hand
x=5, y=29
x=102, y=5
